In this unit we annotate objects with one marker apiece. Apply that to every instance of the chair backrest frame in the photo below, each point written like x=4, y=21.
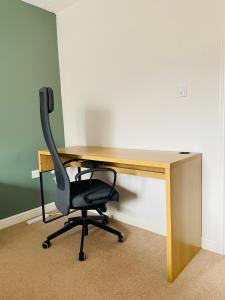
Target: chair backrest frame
x=62, y=200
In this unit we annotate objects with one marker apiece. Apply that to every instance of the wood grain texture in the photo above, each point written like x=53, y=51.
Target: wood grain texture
x=182, y=174
x=46, y=164
x=151, y=158
x=184, y=194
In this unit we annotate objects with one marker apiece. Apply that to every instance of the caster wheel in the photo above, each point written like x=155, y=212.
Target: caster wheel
x=67, y=223
x=121, y=238
x=82, y=256
x=105, y=222
x=46, y=245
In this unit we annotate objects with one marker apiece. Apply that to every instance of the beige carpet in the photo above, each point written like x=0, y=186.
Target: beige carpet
x=134, y=269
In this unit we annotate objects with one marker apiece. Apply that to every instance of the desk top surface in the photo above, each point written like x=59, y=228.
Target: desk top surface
x=150, y=158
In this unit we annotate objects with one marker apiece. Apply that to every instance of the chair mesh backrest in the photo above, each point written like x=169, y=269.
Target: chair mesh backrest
x=62, y=179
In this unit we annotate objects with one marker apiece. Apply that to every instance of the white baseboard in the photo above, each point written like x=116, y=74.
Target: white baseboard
x=138, y=222
x=209, y=245
x=24, y=216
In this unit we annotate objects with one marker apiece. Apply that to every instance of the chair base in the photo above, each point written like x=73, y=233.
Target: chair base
x=84, y=221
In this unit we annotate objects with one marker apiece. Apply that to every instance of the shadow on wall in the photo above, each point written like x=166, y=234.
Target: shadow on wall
x=98, y=127
x=99, y=132
x=125, y=196
x=17, y=198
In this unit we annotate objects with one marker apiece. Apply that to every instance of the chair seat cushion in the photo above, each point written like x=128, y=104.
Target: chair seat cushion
x=84, y=193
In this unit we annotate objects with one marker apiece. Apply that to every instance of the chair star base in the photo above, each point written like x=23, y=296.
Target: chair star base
x=84, y=220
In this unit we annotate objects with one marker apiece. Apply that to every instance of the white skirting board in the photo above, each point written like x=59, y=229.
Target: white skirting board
x=211, y=245
x=137, y=222
x=206, y=244
x=36, y=213
x=24, y=216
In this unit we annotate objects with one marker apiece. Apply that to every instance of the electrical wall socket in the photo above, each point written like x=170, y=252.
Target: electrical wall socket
x=182, y=91
x=35, y=174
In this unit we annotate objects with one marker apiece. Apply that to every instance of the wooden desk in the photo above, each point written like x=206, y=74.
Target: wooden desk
x=183, y=177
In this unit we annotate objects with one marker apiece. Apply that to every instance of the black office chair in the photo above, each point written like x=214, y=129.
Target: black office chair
x=84, y=195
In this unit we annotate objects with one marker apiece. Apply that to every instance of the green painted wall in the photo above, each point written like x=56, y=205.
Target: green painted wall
x=28, y=61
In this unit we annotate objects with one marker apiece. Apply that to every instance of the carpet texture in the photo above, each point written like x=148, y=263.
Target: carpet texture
x=135, y=269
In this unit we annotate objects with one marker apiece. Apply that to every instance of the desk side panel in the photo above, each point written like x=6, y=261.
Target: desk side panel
x=45, y=162
x=184, y=205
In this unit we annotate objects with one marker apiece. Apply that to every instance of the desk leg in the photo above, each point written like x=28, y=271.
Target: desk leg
x=183, y=193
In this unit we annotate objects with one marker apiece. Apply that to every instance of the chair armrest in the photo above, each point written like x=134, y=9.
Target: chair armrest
x=92, y=170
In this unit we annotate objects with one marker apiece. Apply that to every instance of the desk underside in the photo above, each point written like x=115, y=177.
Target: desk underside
x=46, y=164
x=183, y=181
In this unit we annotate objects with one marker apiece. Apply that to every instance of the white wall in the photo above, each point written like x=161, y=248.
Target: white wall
x=51, y=5
x=121, y=62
